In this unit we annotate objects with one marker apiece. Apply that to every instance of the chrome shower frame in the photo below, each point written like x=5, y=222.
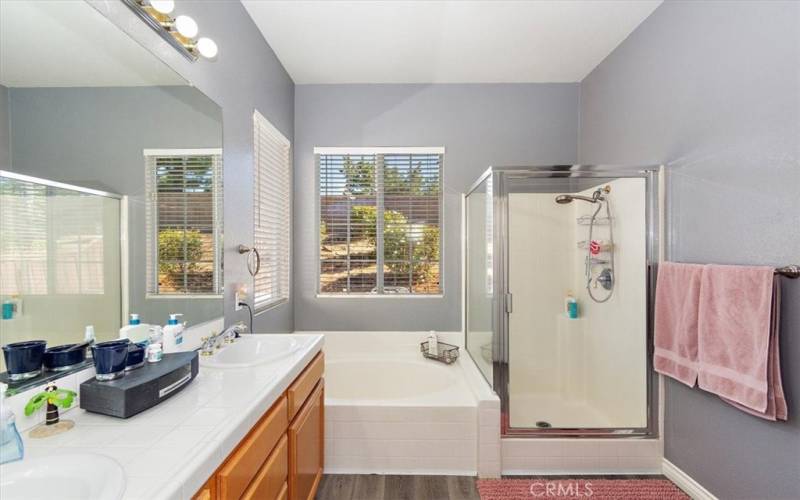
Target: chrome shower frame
x=501, y=300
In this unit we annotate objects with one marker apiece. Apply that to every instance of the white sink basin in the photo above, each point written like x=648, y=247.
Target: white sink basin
x=73, y=476
x=251, y=350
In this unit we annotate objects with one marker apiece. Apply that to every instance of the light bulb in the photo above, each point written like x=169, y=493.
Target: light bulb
x=163, y=6
x=207, y=48
x=186, y=26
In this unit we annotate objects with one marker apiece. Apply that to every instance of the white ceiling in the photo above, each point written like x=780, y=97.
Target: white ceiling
x=445, y=41
x=67, y=43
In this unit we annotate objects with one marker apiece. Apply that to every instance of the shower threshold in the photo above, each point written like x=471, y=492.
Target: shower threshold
x=529, y=411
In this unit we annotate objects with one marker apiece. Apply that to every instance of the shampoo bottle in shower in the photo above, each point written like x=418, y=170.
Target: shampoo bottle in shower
x=571, y=306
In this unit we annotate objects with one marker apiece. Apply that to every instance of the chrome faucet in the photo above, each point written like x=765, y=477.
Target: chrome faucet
x=231, y=333
x=215, y=340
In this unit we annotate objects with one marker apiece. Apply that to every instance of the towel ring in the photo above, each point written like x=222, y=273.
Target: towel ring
x=250, y=251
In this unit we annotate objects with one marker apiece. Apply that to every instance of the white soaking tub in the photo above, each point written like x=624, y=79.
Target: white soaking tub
x=388, y=410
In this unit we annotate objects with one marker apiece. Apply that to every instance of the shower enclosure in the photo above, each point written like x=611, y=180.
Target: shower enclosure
x=560, y=268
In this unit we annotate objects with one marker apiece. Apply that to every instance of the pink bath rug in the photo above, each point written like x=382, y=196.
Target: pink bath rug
x=586, y=488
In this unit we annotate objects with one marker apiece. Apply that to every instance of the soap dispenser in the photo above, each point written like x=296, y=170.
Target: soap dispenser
x=11, y=447
x=135, y=331
x=173, y=333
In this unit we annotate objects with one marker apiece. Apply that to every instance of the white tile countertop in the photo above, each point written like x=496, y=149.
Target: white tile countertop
x=170, y=450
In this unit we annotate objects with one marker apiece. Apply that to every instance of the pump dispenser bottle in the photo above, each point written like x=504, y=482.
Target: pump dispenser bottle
x=173, y=334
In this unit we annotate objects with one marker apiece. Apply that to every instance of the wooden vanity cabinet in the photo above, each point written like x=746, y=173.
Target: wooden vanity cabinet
x=282, y=456
x=306, y=440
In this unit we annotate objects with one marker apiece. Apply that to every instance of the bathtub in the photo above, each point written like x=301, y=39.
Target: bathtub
x=390, y=411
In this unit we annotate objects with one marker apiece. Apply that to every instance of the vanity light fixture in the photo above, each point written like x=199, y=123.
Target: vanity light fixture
x=207, y=48
x=186, y=26
x=162, y=6
x=180, y=31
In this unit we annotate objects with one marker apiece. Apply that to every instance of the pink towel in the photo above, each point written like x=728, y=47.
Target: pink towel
x=677, y=296
x=737, y=347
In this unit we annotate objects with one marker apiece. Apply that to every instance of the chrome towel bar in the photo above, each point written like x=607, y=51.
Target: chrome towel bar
x=792, y=272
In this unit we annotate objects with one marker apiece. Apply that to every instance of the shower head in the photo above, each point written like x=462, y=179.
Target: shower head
x=596, y=197
x=563, y=199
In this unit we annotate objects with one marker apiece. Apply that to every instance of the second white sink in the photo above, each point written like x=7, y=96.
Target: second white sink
x=251, y=350
x=82, y=476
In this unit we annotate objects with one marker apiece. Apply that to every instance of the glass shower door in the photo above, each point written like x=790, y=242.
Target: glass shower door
x=479, y=278
x=585, y=371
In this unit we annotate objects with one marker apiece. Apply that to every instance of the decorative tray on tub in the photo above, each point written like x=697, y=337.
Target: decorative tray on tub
x=448, y=353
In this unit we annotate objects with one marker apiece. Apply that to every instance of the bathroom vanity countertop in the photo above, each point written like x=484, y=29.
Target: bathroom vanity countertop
x=170, y=450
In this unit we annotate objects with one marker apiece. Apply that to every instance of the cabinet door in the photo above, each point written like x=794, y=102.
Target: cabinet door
x=306, y=441
x=271, y=479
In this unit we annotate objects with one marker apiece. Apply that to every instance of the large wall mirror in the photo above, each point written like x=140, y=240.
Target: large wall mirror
x=111, y=186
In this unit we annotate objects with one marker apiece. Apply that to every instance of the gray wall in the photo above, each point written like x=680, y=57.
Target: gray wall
x=246, y=76
x=5, y=132
x=479, y=125
x=94, y=137
x=712, y=89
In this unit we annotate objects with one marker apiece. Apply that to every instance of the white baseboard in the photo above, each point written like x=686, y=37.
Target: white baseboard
x=685, y=481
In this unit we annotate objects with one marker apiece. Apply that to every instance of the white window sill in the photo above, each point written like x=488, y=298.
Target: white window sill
x=150, y=296
x=414, y=296
x=262, y=308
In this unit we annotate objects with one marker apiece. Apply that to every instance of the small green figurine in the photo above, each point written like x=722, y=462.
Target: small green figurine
x=55, y=398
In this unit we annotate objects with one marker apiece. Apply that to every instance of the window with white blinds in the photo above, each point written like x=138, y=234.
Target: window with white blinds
x=23, y=237
x=184, y=221
x=272, y=232
x=380, y=220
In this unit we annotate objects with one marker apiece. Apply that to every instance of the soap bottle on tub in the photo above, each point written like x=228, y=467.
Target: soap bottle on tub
x=433, y=344
x=173, y=334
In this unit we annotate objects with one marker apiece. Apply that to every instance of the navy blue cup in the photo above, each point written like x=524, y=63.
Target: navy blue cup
x=110, y=359
x=135, y=356
x=63, y=357
x=24, y=359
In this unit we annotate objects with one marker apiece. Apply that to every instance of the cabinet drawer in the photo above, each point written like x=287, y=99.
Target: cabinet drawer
x=246, y=460
x=271, y=478
x=303, y=385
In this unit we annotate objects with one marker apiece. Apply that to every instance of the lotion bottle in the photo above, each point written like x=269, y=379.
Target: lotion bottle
x=135, y=330
x=173, y=334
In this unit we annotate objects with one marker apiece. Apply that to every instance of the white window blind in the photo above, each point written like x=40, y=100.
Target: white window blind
x=380, y=220
x=184, y=221
x=272, y=213
x=23, y=238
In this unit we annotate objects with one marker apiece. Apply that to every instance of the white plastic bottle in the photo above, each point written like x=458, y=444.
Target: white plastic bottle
x=433, y=344
x=135, y=330
x=173, y=334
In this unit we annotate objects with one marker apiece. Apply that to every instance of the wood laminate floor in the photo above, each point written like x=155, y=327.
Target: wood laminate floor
x=375, y=487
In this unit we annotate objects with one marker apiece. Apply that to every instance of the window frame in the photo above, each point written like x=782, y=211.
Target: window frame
x=151, y=250
x=321, y=150
x=283, y=296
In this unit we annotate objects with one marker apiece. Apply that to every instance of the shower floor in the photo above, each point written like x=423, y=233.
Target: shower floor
x=528, y=409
